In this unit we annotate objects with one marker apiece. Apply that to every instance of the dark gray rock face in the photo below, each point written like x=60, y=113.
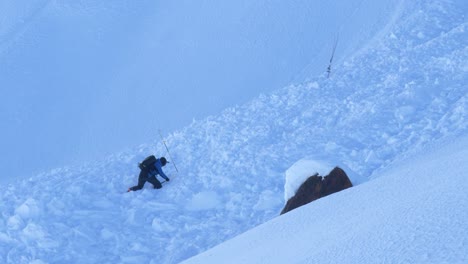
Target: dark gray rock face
x=316, y=187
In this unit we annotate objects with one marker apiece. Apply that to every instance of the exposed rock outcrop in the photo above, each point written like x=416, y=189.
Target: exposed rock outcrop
x=316, y=187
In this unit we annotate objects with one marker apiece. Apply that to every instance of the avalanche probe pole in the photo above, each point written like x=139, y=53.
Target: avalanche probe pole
x=164, y=142
x=331, y=59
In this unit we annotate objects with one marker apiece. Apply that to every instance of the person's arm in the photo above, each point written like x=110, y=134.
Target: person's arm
x=161, y=172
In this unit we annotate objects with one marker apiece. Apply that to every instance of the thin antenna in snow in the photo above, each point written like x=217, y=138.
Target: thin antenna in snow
x=164, y=142
x=331, y=59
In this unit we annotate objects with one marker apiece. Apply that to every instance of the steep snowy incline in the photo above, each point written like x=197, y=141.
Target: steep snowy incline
x=15, y=17
x=86, y=74
x=404, y=91
x=415, y=212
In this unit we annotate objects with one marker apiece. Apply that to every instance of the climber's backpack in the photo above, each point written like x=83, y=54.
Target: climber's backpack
x=148, y=163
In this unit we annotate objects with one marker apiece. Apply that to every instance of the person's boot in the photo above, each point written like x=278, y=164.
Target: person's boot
x=157, y=185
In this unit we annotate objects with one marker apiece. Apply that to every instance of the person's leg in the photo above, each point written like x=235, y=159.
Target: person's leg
x=141, y=181
x=156, y=183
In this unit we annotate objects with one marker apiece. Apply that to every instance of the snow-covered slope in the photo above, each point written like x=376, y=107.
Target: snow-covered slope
x=415, y=212
x=404, y=90
x=79, y=78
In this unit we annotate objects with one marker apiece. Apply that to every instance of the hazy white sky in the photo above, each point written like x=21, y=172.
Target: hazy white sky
x=79, y=79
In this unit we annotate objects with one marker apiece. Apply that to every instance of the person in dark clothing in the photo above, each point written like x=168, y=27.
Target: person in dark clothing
x=150, y=168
